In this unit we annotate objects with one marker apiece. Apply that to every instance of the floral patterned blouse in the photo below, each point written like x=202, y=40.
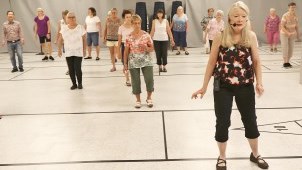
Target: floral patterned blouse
x=138, y=56
x=112, y=29
x=234, y=65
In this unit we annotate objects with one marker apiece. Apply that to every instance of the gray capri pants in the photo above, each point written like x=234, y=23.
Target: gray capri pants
x=136, y=80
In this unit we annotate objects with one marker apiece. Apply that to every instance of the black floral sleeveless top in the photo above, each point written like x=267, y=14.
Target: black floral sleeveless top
x=234, y=65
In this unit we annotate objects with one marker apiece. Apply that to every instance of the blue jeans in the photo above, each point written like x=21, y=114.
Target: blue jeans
x=12, y=49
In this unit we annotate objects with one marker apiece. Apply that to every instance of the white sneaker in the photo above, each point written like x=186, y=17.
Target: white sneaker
x=149, y=103
x=138, y=105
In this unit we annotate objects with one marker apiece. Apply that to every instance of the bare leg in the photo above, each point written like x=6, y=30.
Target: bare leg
x=149, y=95
x=222, y=149
x=89, y=51
x=111, y=49
x=138, y=97
x=49, y=48
x=97, y=51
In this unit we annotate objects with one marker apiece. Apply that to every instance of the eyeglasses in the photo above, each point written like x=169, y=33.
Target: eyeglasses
x=71, y=17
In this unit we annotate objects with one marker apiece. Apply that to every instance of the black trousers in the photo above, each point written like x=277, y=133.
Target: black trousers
x=75, y=69
x=161, y=50
x=245, y=101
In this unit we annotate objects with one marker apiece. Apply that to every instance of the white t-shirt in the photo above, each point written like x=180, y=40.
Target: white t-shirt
x=91, y=23
x=160, y=33
x=122, y=30
x=73, y=42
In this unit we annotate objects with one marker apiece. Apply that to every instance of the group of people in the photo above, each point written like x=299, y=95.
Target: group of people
x=284, y=29
x=233, y=61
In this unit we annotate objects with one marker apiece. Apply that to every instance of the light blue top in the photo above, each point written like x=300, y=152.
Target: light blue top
x=180, y=23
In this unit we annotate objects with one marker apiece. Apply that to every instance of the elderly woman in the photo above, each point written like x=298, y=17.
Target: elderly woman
x=215, y=26
x=43, y=30
x=289, y=32
x=74, y=37
x=138, y=47
x=271, y=28
x=234, y=61
x=113, y=22
x=180, y=29
x=204, y=23
x=93, y=28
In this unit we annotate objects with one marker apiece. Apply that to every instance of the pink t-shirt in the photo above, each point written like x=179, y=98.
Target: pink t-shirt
x=215, y=27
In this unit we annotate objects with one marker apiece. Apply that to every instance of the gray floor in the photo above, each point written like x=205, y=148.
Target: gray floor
x=47, y=126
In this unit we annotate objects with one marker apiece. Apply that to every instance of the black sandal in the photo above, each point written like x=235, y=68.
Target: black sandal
x=262, y=165
x=187, y=53
x=178, y=52
x=221, y=161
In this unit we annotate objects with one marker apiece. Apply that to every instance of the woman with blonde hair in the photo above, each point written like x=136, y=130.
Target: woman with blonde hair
x=289, y=32
x=113, y=22
x=43, y=30
x=137, y=52
x=235, y=64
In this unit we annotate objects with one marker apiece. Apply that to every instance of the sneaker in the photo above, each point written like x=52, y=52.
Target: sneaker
x=45, y=58
x=14, y=70
x=80, y=86
x=73, y=87
x=21, y=69
x=97, y=58
x=89, y=57
x=149, y=103
x=138, y=105
x=51, y=58
x=164, y=69
x=259, y=161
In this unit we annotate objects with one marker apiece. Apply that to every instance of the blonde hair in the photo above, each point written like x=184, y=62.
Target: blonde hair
x=40, y=9
x=135, y=18
x=227, y=40
x=219, y=12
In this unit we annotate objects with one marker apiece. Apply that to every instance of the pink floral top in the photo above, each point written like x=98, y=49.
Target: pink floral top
x=272, y=24
x=138, y=56
x=215, y=27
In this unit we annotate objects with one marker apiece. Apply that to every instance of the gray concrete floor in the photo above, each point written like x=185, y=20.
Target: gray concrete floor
x=47, y=126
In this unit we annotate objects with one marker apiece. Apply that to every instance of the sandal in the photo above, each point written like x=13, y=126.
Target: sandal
x=259, y=161
x=221, y=161
x=178, y=52
x=97, y=58
x=138, y=105
x=149, y=103
x=128, y=83
x=187, y=53
x=113, y=69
